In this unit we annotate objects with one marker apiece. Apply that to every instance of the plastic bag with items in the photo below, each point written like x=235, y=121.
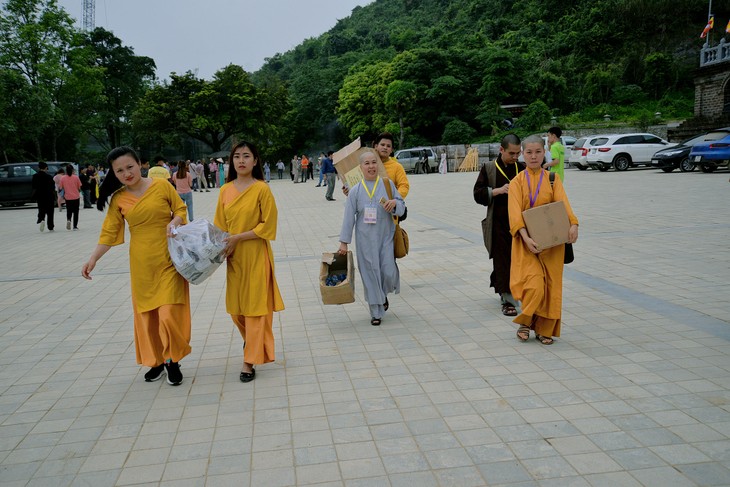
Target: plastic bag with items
x=197, y=249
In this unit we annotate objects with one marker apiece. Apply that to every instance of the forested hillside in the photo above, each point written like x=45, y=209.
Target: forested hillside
x=439, y=70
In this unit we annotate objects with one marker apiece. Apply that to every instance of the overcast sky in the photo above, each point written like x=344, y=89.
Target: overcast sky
x=182, y=35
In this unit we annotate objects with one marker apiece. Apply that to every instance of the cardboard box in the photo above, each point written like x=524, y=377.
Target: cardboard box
x=343, y=292
x=548, y=225
x=347, y=163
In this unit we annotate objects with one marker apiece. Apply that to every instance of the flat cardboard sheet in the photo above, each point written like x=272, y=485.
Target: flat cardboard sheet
x=347, y=163
x=548, y=225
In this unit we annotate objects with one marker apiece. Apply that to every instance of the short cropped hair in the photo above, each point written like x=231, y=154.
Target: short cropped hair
x=556, y=131
x=509, y=139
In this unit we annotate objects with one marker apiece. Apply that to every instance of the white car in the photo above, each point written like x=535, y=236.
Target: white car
x=579, y=151
x=622, y=151
x=567, y=142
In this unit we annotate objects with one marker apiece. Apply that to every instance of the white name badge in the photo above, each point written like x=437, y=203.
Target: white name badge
x=370, y=215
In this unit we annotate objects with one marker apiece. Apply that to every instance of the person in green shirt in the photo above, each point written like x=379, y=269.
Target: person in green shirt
x=557, y=152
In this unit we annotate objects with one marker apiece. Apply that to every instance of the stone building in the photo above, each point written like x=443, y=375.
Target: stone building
x=712, y=93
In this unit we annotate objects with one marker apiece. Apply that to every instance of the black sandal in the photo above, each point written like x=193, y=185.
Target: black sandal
x=386, y=305
x=375, y=322
x=509, y=310
x=248, y=376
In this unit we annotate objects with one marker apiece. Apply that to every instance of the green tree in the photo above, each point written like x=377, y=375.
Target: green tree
x=361, y=103
x=126, y=77
x=399, y=98
x=35, y=39
x=458, y=132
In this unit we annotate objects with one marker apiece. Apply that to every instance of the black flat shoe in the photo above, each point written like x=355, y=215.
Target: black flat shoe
x=386, y=305
x=248, y=377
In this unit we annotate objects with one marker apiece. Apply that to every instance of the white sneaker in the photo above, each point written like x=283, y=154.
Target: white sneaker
x=68, y=225
x=43, y=225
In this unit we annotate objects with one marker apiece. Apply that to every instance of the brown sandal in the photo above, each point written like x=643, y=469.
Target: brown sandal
x=544, y=340
x=523, y=334
x=509, y=310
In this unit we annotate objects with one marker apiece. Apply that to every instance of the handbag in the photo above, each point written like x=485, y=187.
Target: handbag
x=400, y=238
x=568, y=257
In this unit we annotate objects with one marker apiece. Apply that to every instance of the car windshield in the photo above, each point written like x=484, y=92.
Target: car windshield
x=704, y=138
x=599, y=141
x=579, y=143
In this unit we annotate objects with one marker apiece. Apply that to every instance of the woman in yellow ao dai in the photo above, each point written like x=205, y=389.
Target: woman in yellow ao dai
x=160, y=296
x=246, y=209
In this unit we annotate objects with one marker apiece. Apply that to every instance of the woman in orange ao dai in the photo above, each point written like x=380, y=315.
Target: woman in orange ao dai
x=160, y=296
x=247, y=211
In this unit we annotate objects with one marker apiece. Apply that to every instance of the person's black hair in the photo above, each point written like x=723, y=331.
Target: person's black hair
x=69, y=170
x=42, y=165
x=61, y=171
x=158, y=159
x=556, y=131
x=258, y=172
x=111, y=183
x=385, y=135
x=510, y=139
x=329, y=154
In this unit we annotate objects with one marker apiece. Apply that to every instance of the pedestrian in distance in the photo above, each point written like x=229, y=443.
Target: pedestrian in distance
x=371, y=213
x=44, y=193
x=556, y=158
x=247, y=210
x=85, y=187
x=319, y=165
x=183, y=184
x=280, y=168
x=491, y=190
x=328, y=169
x=71, y=186
x=59, y=193
x=160, y=296
x=536, y=275
x=267, y=172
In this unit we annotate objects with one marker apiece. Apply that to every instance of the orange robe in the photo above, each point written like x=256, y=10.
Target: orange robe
x=537, y=279
x=252, y=294
x=160, y=296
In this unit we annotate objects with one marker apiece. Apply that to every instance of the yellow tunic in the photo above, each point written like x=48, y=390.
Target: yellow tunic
x=397, y=174
x=248, y=270
x=154, y=279
x=536, y=279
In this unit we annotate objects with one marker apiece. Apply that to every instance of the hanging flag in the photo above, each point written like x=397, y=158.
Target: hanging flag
x=708, y=27
x=727, y=29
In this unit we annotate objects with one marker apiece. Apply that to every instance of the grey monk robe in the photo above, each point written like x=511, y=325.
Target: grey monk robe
x=375, y=258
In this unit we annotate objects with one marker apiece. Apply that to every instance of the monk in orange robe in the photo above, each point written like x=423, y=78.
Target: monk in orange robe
x=246, y=209
x=536, y=275
x=160, y=296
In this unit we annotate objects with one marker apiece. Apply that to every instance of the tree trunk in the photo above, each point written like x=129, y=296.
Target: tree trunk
x=402, y=130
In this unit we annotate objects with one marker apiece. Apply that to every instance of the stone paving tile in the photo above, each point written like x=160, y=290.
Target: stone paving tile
x=440, y=394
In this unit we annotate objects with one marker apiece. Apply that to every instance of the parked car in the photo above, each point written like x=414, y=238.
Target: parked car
x=409, y=159
x=16, y=181
x=622, y=151
x=679, y=156
x=578, y=153
x=710, y=155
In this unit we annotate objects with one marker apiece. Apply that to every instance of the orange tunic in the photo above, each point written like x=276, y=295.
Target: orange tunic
x=160, y=296
x=537, y=279
x=248, y=271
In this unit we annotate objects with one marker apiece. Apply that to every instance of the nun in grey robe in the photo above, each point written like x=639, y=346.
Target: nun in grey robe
x=375, y=258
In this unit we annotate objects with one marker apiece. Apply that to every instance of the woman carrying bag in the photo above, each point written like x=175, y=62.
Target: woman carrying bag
x=370, y=213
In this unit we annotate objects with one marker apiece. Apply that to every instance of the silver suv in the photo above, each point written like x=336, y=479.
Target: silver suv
x=410, y=159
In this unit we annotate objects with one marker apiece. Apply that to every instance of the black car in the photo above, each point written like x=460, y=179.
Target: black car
x=678, y=156
x=16, y=181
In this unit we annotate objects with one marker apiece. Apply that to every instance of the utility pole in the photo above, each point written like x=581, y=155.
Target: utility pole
x=89, y=15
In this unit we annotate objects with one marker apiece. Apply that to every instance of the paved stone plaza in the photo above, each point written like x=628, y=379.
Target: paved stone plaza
x=635, y=392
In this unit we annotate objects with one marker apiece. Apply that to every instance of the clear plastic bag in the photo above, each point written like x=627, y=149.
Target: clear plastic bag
x=197, y=249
